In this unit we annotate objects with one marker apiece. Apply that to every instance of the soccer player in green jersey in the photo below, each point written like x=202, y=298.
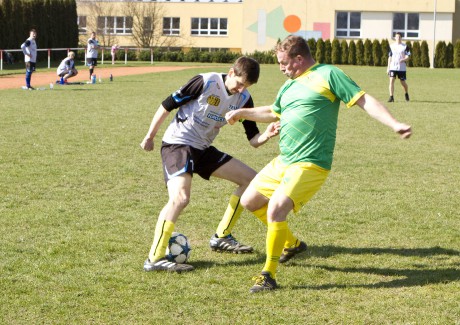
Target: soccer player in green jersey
x=307, y=107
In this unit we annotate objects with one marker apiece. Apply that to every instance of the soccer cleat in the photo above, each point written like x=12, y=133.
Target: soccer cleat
x=165, y=265
x=289, y=253
x=407, y=97
x=391, y=99
x=228, y=244
x=264, y=282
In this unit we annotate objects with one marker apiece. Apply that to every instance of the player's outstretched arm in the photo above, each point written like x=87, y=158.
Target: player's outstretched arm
x=158, y=119
x=379, y=112
x=259, y=139
x=258, y=114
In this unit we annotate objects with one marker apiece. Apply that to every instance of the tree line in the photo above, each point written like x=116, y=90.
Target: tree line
x=54, y=20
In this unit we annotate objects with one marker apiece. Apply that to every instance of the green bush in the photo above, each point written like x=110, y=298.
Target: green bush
x=336, y=55
x=320, y=47
x=457, y=54
x=440, y=59
x=449, y=55
x=327, y=51
x=352, y=53
x=344, y=51
x=424, y=55
x=409, y=62
x=415, y=54
x=359, y=52
x=368, y=58
x=385, y=46
x=377, y=53
x=312, y=45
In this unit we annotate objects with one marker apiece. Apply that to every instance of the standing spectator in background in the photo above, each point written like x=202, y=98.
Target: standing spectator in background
x=397, y=58
x=67, y=68
x=9, y=58
x=113, y=51
x=91, y=53
x=29, y=48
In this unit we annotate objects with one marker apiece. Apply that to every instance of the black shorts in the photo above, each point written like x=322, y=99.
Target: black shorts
x=91, y=62
x=30, y=66
x=400, y=74
x=179, y=158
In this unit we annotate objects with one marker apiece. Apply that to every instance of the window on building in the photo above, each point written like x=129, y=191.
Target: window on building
x=407, y=24
x=171, y=25
x=209, y=26
x=81, y=22
x=348, y=24
x=115, y=25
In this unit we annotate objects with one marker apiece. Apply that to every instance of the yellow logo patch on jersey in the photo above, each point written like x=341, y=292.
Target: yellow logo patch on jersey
x=213, y=100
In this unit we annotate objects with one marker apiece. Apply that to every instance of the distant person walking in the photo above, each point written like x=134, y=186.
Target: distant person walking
x=397, y=58
x=113, y=52
x=29, y=48
x=91, y=53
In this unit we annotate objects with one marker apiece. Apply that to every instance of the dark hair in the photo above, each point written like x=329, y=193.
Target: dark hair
x=294, y=45
x=398, y=33
x=247, y=68
x=33, y=30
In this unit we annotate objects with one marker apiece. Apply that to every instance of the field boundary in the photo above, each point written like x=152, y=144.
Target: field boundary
x=40, y=79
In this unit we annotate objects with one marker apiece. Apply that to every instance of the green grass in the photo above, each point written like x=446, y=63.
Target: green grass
x=79, y=201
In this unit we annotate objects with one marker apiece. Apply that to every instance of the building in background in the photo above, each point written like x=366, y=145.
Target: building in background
x=249, y=25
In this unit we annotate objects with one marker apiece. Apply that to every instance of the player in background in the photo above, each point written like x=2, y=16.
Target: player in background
x=91, y=53
x=29, y=48
x=186, y=150
x=67, y=68
x=307, y=106
x=397, y=58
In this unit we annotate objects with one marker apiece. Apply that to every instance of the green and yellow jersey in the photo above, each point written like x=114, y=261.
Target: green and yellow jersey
x=308, y=108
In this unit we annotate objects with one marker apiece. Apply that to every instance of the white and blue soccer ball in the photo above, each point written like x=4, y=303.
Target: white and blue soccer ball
x=178, y=249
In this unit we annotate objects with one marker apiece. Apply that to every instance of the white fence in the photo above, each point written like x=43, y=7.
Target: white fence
x=3, y=53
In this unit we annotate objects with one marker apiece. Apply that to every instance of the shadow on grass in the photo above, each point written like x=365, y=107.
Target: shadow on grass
x=419, y=275
x=328, y=251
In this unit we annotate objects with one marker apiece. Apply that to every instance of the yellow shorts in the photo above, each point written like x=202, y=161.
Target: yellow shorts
x=299, y=181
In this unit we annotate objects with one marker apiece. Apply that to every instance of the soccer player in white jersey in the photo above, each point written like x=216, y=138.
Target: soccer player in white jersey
x=397, y=58
x=91, y=53
x=186, y=150
x=29, y=48
x=67, y=68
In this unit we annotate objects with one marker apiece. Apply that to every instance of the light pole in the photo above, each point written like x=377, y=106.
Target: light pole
x=434, y=33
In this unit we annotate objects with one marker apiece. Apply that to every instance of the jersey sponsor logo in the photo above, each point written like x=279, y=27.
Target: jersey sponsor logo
x=233, y=107
x=213, y=100
x=215, y=117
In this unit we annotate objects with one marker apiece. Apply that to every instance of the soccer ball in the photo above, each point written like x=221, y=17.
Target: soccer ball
x=178, y=249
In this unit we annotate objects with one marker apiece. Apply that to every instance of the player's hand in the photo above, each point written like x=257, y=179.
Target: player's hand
x=404, y=130
x=147, y=144
x=273, y=129
x=232, y=117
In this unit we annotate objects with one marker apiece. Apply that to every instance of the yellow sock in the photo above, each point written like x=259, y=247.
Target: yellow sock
x=291, y=240
x=231, y=216
x=261, y=214
x=163, y=231
x=276, y=236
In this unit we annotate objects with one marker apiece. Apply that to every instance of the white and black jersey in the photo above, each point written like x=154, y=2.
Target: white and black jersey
x=203, y=102
x=65, y=66
x=91, y=50
x=397, y=53
x=29, y=48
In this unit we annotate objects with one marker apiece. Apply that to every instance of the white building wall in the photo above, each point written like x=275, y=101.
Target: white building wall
x=376, y=25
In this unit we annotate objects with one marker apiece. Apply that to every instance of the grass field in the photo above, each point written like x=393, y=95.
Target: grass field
x=79, y=200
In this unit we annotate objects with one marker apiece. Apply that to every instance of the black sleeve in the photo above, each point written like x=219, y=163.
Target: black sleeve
x=190, y=91
x=250, y=127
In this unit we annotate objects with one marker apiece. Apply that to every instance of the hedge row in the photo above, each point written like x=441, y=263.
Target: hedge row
x=365, y=53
